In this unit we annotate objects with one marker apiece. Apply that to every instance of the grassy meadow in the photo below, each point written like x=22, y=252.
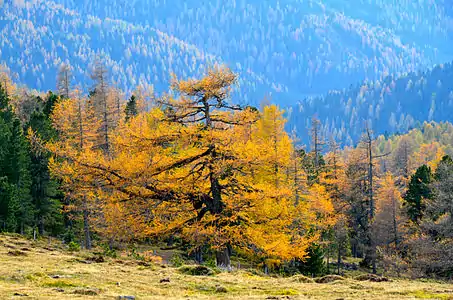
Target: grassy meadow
x=47, y=270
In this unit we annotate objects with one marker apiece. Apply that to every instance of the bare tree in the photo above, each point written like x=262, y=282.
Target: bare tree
x=64, y=81
x=317, y=141
x=100, y=101
x=367, y=144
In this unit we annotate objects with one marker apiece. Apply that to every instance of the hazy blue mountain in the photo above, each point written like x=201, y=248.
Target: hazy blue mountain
x=286, y=50
x=392, y=105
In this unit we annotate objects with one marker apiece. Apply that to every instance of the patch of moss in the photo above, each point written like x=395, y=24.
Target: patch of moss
x=35, y=276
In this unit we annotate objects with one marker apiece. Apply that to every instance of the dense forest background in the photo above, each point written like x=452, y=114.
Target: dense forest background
x=292, y=53
x=218, y=180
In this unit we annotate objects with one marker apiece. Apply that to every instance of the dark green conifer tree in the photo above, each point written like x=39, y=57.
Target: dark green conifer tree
x=46, y=196
x=418, y=192
x=17, y=210
x=131, y=108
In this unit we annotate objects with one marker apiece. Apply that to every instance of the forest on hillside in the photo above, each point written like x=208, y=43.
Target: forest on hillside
x=291, y=48
x=195, y=171
x=392, y=105
x=297, y=54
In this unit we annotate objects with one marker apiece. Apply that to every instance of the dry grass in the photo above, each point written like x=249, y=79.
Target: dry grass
x=50, y=272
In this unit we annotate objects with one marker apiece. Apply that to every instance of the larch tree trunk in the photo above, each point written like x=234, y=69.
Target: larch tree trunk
x=86, y=228
x=223, y=258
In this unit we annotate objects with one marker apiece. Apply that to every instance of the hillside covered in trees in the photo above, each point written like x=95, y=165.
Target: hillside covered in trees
x=290, y=49
x=221, y=182
x=395, y=104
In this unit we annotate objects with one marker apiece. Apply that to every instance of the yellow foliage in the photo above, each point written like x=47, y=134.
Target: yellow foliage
x=197, y=167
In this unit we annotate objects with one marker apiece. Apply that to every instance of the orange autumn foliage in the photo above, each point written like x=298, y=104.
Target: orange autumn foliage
x=197, y=167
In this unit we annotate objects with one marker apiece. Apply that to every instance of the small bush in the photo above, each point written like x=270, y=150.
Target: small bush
x=135, y=255
x=196, y=270
x=68, y=236
x=149, y=256
x=59, y=283
x=177, y=260
x=73, y=246
x=210, y=263
x=108, y=251
x=328, y=279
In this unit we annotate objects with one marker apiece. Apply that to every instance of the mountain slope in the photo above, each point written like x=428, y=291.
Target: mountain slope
x=38, y=37
x=394, y=104
x=288, y=48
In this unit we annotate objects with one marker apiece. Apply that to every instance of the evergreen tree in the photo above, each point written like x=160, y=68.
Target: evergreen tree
x=431, y=250
x=46, y=197
x=19, y=177
x=17, y=210
x=442, y=204
x=418, y=191
x=314, y=265
x=131, y=108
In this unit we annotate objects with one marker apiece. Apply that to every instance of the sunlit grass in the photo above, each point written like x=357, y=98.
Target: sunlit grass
x=48, y=271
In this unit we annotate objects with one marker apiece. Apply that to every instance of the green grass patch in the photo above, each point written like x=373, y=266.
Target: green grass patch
x=35, y=276
x=59, y=283
x=285, y=292
x=422, y=294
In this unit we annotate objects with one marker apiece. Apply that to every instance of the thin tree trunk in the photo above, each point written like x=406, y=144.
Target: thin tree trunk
x=41, y=225
x=395, y=225
x=86, y=228
x=339, y=260
x=106, y=124
x=266, y=269
x=198, y=253
x=328, y=260
x=372, y=243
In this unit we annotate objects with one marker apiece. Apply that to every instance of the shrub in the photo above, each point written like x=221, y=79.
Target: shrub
x=73, y=246
x=196, y=270
x=68, y=236
x=314, y=265
x=177, y=260
x=149, y=256
x=108, y=251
